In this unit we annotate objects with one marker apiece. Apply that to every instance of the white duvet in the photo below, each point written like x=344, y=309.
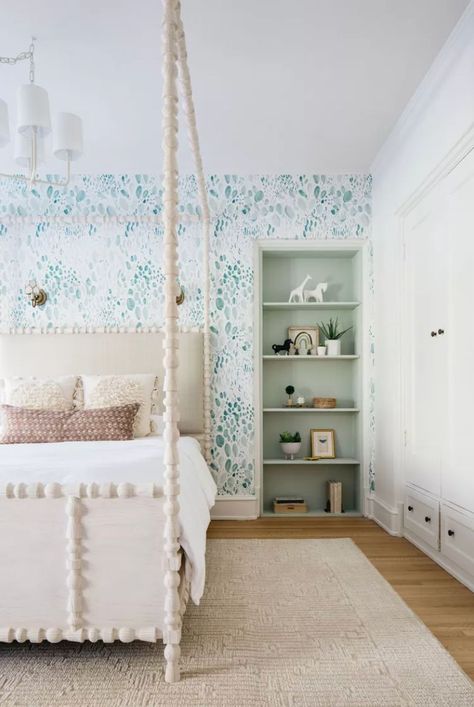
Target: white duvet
x=137, y=461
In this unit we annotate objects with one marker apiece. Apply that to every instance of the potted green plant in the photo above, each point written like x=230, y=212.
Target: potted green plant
x=289, y=390
x=332, y=335
x=290, y=444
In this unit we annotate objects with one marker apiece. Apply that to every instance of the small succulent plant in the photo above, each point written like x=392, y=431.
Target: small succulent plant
x=331, y=329
x=286, y=437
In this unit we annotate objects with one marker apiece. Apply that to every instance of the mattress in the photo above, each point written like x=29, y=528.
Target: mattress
x=137, y=461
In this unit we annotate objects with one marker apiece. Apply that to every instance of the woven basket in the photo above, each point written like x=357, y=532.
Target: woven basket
x=324, y=402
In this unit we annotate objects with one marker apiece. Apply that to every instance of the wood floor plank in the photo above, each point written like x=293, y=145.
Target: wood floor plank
x=444, y=605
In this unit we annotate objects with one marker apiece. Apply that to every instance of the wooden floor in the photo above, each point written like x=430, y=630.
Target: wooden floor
x=441, y=602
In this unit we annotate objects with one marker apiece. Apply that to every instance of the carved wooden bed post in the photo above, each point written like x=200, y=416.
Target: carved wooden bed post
x=174, y=56
x=188, y=107
x=172, y=557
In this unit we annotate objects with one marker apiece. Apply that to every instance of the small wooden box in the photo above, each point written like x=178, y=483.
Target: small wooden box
x=290, y=507
x=326, y=403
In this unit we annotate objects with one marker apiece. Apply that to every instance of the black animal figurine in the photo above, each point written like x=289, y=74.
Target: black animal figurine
x=285, y=348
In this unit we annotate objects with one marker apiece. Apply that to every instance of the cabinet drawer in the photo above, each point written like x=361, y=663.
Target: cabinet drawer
x=457, y=537
x=421, y=517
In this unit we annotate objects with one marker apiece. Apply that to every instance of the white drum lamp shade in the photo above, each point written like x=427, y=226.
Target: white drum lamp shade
x=33, y=110
x=23, y=150
x=4, y=126
x=67, y=137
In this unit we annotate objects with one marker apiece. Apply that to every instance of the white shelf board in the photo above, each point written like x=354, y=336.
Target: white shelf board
x=303, y=462
x=310, y=305
x=274, y=357
x=296, y=409
x=312, y=514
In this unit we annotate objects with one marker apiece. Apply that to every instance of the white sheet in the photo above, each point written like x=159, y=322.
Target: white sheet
x=137, y=461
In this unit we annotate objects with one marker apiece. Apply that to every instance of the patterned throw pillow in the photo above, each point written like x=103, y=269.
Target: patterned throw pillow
x=40, y=393
x=102, y=391
x=25, y=426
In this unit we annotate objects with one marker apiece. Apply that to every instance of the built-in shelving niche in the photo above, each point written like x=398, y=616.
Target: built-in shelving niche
x=280, y=270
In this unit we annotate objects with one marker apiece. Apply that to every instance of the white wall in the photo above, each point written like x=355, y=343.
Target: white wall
x=439, y=115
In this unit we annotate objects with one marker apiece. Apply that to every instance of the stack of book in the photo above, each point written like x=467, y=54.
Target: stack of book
x=289, y=504
x=334, y=504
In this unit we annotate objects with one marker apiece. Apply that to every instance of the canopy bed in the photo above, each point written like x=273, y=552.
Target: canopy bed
x=81, y=522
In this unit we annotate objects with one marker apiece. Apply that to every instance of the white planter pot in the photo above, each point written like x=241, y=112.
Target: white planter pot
x=290, y=449
x=333, y=347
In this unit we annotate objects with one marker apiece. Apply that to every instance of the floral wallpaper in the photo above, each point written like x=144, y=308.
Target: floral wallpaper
x=108, y=273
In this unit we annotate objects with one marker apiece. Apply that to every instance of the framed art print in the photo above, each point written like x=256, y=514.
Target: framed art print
x=323, y=444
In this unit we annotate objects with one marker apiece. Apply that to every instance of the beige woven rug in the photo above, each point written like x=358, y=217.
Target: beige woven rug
x=283, y=622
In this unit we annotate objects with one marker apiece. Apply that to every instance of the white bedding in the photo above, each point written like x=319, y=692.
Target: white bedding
x=137, y=461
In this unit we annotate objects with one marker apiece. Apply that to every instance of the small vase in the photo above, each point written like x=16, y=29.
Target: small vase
x=321, y=350
x=289, y=449
x=334, y=347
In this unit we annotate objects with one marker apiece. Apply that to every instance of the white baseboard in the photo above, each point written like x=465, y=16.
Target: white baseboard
x=390, y=519
x=446, y=564
x=235, y=508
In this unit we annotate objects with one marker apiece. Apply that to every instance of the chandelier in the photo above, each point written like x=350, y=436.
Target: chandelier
x=33, y=126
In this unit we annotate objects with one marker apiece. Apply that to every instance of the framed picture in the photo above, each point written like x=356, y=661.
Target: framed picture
x=304, y=338
x=323, y=444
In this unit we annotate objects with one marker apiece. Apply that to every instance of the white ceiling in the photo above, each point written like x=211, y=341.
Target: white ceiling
x=279, y=85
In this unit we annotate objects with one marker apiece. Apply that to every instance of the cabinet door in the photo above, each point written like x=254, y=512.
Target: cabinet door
x=458, y=469
x=425, y=391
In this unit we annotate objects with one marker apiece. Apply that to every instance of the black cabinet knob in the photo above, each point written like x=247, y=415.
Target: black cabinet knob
x=410, y=508
x=440, y=331
x=427, y=519
x=433, y=333
x=450, y=533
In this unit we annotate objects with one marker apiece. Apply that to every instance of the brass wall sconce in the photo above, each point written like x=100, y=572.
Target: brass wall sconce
x=181, y=297
x=35, y=294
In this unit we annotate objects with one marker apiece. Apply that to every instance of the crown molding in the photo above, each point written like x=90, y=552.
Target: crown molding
x=460, y=37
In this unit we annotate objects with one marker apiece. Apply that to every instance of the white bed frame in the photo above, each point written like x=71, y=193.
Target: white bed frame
x=128, y=585
x=85, y=561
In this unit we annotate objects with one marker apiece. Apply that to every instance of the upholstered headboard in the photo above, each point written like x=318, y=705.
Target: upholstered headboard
x=45, y=355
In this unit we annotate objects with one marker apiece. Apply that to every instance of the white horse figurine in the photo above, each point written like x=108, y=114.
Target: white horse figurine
x=297, y=295
x=317, y=293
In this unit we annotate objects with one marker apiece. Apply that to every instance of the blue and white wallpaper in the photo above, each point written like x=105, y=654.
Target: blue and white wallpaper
x=109, y=274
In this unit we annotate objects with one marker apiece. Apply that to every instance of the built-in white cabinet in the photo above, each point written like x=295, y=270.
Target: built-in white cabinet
x=421, y=516
x=426, y=332
x=438, y=370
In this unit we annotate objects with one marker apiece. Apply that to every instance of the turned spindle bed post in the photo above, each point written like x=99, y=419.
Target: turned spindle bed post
x=174, y=56
x=188, y=107
x=172, y=557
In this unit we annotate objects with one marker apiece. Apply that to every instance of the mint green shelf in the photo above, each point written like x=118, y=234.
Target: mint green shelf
x=312, y=514
x=320, y=462
x=320, y=359
x=317, y=410
x=310, y=305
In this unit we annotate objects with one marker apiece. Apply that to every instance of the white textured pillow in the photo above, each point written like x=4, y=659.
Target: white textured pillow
x=110, y=391
x=40, y=393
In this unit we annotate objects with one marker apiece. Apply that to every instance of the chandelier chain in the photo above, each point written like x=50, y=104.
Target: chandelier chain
x=23, y=56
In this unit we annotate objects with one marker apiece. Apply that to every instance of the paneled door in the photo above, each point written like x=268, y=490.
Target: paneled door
x=458, y=469
x=422, y=346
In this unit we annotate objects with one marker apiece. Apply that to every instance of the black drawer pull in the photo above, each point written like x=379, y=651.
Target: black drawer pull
x=427, y=519
x=410, y=508
x=450, y=533
x=433, y=333
x=440, y=331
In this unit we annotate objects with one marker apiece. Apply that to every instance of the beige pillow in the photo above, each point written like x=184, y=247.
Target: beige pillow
x=25, y=426
x=40, y=393
x=104, y=391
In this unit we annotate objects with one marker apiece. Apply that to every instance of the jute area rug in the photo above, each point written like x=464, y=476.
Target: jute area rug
x=283, y=622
